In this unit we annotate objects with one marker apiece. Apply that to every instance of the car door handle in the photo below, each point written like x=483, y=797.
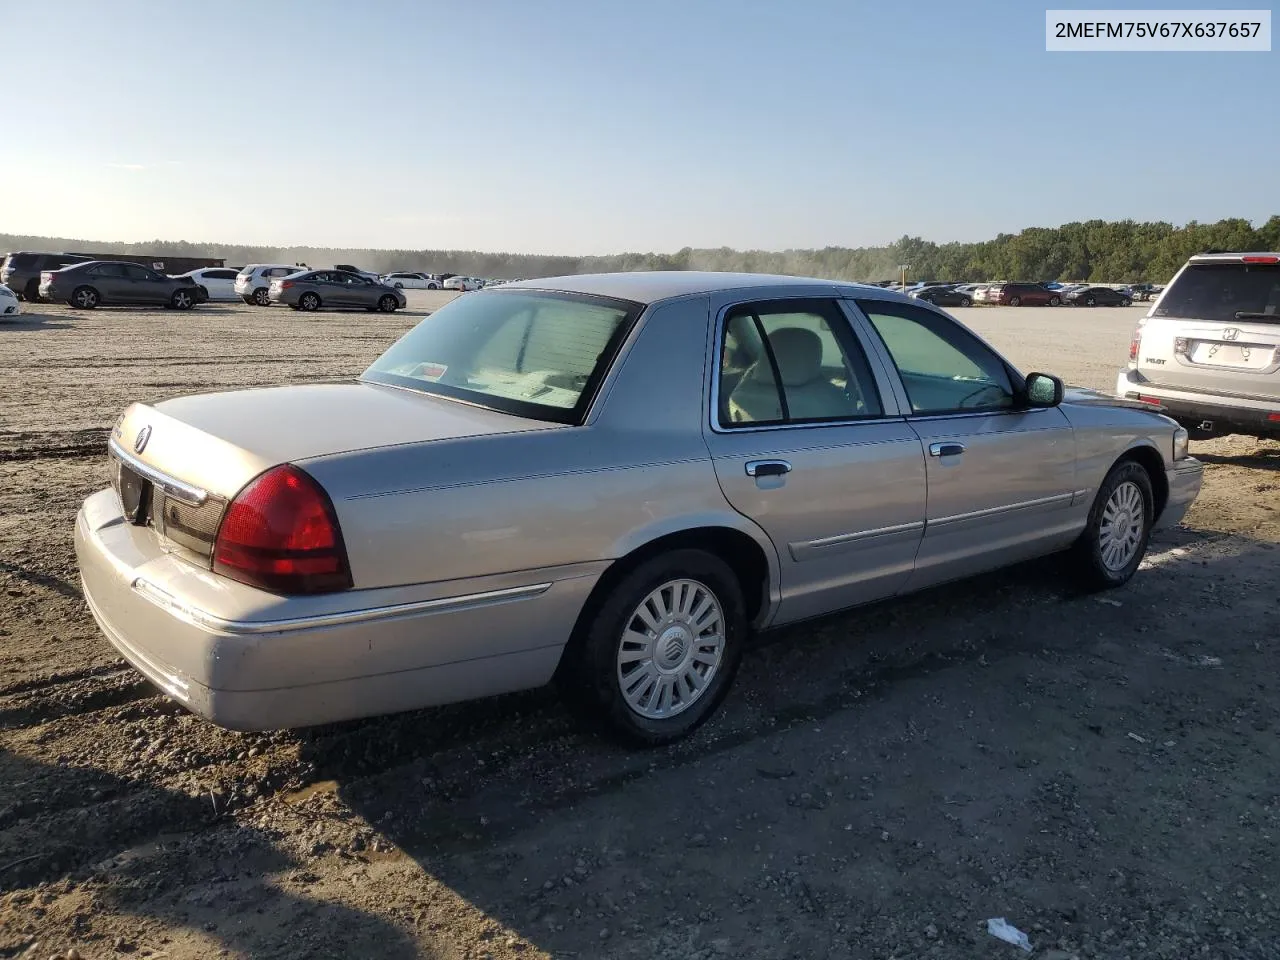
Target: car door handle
x=767, y=468
x=949, y=449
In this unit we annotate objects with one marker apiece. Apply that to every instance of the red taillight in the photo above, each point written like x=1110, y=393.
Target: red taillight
x=1260, y=259
x=1273, y=417
x=1135, y=344
x=280, y=533
x=286, y=284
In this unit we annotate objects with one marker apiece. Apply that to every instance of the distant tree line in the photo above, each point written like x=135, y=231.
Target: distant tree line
x=1121, y=251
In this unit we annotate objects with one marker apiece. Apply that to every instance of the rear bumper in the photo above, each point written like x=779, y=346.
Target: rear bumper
x=1206, y=414
x=249, y=660
x=1183, y=479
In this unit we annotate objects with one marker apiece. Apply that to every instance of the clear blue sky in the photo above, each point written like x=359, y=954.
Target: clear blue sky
x=595, y=126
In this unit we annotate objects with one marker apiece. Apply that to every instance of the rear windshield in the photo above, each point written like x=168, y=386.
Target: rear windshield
x=21, y=261
x=537, y=355
x=1224, y=292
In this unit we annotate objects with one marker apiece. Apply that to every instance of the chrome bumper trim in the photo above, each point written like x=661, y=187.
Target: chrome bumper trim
x=202, y=618
x=194, y=496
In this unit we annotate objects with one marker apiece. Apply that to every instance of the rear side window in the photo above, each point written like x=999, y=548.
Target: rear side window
x=109, y=270
x=792, y=362
x=220, y=274
x=1224, y=293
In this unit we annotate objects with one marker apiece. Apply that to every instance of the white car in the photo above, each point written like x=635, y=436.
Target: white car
x=411, y=281
x=219, y=283
x=462, y=283
x=253, y=282
x=9, y=306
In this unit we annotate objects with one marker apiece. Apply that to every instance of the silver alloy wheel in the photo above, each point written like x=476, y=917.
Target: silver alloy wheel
x=670, y=649
x=181, y=300
x=1121, y=526
x=261, y=297
x=86, y=298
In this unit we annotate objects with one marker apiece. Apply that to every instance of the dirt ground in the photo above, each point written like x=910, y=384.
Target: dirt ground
x=1101, y=771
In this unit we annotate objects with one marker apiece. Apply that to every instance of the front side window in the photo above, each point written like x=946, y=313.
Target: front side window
x=537, y=355
x=944, y=368
x=790, y=361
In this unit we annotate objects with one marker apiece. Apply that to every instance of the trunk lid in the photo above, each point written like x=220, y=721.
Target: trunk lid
x=176, y=465
x=1216, y=329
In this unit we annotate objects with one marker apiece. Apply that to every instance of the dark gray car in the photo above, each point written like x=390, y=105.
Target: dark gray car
x=21, y=271
x=335, y=288
x=110, y=282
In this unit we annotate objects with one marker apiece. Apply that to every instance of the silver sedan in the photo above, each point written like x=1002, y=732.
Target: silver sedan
x=318, y=289
x=605, y=480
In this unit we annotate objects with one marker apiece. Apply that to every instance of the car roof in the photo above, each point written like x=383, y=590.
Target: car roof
x=650, y=286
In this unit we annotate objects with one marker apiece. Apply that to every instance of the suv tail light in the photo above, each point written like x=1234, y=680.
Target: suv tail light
x=280, y=534
x=1135, y=343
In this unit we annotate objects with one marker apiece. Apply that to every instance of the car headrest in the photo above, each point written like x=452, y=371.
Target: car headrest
x=799, y=355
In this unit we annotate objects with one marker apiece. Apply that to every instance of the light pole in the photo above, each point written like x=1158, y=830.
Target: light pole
x=903, y=267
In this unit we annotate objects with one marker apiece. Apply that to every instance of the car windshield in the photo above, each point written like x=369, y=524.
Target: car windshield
x=1219, y=291
x=537, y=355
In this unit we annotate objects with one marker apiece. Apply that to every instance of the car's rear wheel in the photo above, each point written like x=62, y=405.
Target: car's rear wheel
x=309, y=302
x=31, y=292
x=85, y=298
x=433, y=286
x=388, y=304
x=1015, y=301
x=1055, y=301
x=657, y=655
x=1116, y=534
x=261, y=297
x=182, y=300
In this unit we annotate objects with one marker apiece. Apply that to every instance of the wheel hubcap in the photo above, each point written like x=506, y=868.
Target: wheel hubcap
x=670, y=649
x=1121, y=529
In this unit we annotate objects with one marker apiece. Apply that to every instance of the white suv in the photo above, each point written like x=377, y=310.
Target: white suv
x=1208, y=350
x=254, y=281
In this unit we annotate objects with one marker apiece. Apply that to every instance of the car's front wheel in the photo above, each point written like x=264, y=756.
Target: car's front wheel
x=1115, y=536
x=1090, y=301
x=657, y=655
x=1055, y=301
x=966, y=302
x=182, y=300
x=388, y=304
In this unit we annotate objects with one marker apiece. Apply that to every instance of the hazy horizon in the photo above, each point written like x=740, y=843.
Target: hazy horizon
x=598, y=129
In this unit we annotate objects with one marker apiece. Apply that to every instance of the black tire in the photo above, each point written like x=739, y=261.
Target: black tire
x=388, y=304
x=590, y=672
x=433, y=286
x=1055, y=301
x=1090, y=301
x=1092, y=568
x=182, y=300
x=262, y=297
x=966, y=302
x=1127, y=302
x=1015, y=301
x=309, y=302
x=84, y=298
x=31, y=292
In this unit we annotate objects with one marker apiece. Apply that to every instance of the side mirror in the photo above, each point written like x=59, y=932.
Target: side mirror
x=1042, y=390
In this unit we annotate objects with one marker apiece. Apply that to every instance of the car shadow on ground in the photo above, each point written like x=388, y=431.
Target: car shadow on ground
x=840, y=735
x=109, y=845
x=1263, y=458
x=35, y=321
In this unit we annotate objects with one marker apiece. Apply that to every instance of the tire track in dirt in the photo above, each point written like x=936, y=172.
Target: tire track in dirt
x=55, y=445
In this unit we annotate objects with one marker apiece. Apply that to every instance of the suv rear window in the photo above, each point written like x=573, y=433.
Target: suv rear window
x=1224, y=292
x=21, y=261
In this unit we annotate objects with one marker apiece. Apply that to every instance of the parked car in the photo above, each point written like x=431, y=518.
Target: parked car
x=367, y=274
x=21, y=271
x=584, y=478
x=98, y=283
x=945, y=297
x=312, y=290
x=412, y=281
x=1098, y=297
x=1023, y=295
x=215, y=283
x=462, y=283
x=9, y=306
x=253, y=282
x=1208, y=350
x=1145, y=291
